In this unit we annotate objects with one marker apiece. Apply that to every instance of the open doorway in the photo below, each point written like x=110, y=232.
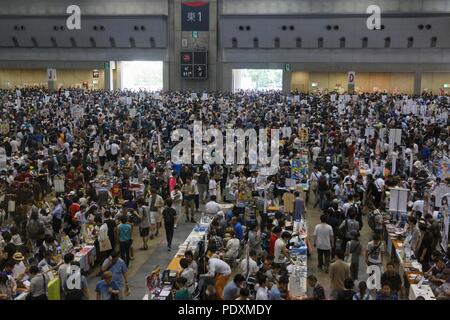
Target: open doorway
x=142, y=75
x=257, y=79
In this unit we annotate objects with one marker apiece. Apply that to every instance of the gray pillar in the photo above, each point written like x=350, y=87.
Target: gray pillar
x=350, y=88
x=287, y=75
x=51, y=85
x=109, y=78
x=417, y=82
x=51, y=78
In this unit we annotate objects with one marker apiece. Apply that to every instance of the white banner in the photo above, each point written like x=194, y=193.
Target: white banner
x=51, y=74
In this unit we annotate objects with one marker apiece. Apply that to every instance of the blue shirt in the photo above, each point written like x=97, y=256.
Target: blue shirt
x=57, y=212
x=275, y=293
x=117, y=270
x=124, y=232
x=381, y=296
x=177, y=168
x=103, y=289
x=229, y=215
x=239, y=231
x=230, y=292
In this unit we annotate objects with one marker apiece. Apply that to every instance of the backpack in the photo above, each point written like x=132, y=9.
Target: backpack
x=72, y=294
x=35, y=229
x=322, y=183
x=371, y=219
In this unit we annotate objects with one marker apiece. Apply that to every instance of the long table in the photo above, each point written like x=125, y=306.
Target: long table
x=298, y=270
x=409, y=270
x=191, y=243
x=53, y=291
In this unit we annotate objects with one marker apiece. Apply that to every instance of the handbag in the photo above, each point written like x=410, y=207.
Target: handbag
x=105, y=245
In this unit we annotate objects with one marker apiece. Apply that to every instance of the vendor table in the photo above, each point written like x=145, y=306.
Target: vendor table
x=409, y=270
x=86, y=257
x=424, y=291
x=299, y=253
x=53, y=288
x=191, y=242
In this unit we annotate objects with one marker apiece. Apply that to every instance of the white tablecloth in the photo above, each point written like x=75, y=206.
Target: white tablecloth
x=424, y=291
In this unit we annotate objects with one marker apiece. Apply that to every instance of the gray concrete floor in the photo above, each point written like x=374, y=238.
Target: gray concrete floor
x=313, y=218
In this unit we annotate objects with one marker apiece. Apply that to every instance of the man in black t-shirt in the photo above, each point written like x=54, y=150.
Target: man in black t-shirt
x=169, y=216
x=392, y=278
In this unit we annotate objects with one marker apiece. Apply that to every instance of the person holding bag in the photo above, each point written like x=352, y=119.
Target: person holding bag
x=104, y=242
x=144, y=224
x=38, y=285
x=125, y=239
x=352, y=253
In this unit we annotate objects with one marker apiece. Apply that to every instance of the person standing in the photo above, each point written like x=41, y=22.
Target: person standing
x=346, y=228
x=322, y=188
x=288, y=201
x=375, y=251
x=317, y=291
x=323, y=239
x=38, y=285
x=392, y=278
x=107, y=288
x=254, y=239
x=169, y=216
x=299, y=207
x=125, y=239
x=144, y=225
x=202, y=185
x=221, y=271
x=189, y=199
x=353, y=250
x=155, y=203
x=231, y=290
x=177, y=198
x=339, y=271
x=119, y=270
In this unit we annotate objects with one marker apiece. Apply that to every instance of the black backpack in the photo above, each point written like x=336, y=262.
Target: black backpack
x=322, y=183
x=72, y=294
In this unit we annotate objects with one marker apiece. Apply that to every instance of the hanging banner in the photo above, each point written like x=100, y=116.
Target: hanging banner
x=351, y=78
x=51, y=74
x=398, y=199
x=395, y=136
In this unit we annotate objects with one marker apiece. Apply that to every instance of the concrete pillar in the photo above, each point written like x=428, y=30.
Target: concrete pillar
x=287, y=75
x=207, y=40
x=51, y=78
x=417, y=82
x=108, y=77
x=51, y=85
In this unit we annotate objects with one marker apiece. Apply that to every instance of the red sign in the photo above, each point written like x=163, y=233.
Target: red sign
x=186, y=58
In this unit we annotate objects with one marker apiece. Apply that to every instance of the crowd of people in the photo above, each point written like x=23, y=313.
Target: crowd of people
x=90, y=140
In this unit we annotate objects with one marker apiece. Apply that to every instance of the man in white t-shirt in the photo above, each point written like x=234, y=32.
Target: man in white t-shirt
x=212, y=188
x=250, y=263
x=418, y=206
x=114, y=151
x=221, y=271
x=323, y=241
x=212, y=207
x=15, y=144
x=281, y=253
x=375, y=251
x=315, y=151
